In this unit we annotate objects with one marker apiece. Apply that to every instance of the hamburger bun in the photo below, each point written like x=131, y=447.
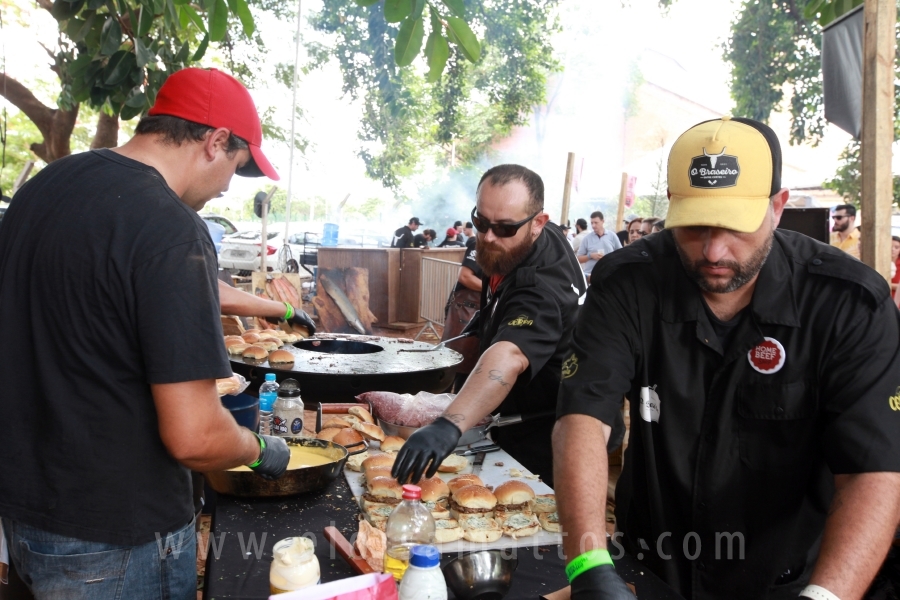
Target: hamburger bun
x=376, y=512
x=382, y=490
x=328, y=434
x=250, y=338
x=347, y=438
x=228, y=385
x=435, y=497
x=519, y=525
x=369, y=431
x=472, y=500
x=281, y=357
x=236, y=340
x=354, y=462
x=237, y=349
x=544, y=503
x=255, y=353
x=453, y=464
x=373, y=472
x=378, y=460
x=549, y=521
x=269, y=345
x=268, y=337
x=447, y=530
x=234, y=337
x=462, y=481
x=253, y=330
x=512, y=494
x=362, y=414
x=481, y=529
x=392, y=443
x=336, y=422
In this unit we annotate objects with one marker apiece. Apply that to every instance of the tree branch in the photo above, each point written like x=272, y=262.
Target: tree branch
x=45, y=4
x=22, y=98
x=107, y=134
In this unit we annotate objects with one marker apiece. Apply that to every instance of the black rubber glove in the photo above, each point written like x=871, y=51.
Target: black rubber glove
x=600, y=583
x=300, y=319
x=430, y=444
x=273, y=459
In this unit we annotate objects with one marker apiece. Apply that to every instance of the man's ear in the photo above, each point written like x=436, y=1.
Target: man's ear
x=216, y=141
x=779, y=201
x=537, y=225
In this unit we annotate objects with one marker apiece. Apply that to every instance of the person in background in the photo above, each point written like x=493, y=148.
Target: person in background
x=532, y=286
x=468, y=232
x=567, y=231
x=424, y=239
x=464, y=301
x=460, y=236
x=634, y=230
x=844, y=234
x=660, y=225
x=451, y=241
x=97, y=441
x=763, y=368
x=403, y=237
x=623, y=233
x=581, y=230
x=596, y=244
x=895, y=264
x=647, y=226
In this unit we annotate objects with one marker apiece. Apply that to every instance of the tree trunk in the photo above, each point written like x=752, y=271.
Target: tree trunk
x=55, y=124
x=107, y=134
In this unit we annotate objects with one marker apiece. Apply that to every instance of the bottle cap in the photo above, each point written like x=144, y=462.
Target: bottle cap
x=270, y=376
x=424, y=557
x=412, y=492
x=289, y=388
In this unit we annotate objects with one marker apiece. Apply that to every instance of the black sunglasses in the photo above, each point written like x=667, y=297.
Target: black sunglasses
x=501, y=230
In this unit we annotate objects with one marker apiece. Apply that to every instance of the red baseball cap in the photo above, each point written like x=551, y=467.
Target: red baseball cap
x=451, y=231
x=211, y=97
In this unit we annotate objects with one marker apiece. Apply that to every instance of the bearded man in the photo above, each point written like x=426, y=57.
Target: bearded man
x=532, y=288
x=763, y=371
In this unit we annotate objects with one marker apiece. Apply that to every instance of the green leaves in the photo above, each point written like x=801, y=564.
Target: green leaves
x=365, y=2
x=464, y=37
x=118, y=68
x=828, y=10
x=240, y=8
x=437, y=51
x=397, y=10
x=409, y=41
x=110, y=36
x=218, y=20
x=457, y=7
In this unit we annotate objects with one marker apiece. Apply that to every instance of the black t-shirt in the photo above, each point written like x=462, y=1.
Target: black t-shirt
x=419, y=241
x=107, y=284
x=451, y=243
x=469, y=261
x=403, y=238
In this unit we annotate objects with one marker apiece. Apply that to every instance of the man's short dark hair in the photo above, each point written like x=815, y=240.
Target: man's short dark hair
x=581, y=223
x=457, y=225
x=176, y=131
x=503, y=174
x=469, y=225
x=596, y=215
x=895, y=238
x=430, y=233
x=851, y=210
x=660, y=225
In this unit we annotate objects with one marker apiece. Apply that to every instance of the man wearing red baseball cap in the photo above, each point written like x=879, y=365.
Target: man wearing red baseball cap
x=110, y=394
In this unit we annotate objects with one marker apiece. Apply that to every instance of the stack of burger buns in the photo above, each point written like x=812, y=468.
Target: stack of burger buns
x=263, y=344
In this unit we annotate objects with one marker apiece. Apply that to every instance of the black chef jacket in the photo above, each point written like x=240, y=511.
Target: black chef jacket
x=535, y=308
x=470, y=262
x=403, y=238
x=723, y=452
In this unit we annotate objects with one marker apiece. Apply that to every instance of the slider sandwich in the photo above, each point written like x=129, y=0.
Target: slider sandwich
x=462, y=481
x=435, y=497
x=381, y=491
x=447, y=530
x=472, y=500
x=513, y=497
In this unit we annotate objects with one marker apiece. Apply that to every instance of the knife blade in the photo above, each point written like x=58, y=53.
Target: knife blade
x=482, y=449
x=478, y=462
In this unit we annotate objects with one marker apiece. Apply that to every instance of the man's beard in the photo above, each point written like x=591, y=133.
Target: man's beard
x=743, y=273
x=840, y=226
x=495, y=260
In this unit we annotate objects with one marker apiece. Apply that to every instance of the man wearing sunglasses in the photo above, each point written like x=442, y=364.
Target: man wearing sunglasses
x=529, y=301
x=844, y=234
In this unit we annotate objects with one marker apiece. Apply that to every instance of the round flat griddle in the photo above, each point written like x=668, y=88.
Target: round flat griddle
x=338, y=367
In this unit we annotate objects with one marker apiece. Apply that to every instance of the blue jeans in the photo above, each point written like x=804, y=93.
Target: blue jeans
x=57, y=567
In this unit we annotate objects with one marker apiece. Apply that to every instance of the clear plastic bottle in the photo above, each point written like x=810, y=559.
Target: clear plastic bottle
x=268, y=393
x=423, y=579
x=411, y=524
x=287, y=414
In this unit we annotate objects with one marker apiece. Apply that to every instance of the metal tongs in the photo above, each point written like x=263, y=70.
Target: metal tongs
x=470, y=329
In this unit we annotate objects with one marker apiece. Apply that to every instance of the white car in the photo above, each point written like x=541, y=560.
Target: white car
x=240, y=252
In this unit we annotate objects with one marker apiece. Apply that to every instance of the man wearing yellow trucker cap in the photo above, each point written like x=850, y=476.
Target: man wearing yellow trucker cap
x=763, y=370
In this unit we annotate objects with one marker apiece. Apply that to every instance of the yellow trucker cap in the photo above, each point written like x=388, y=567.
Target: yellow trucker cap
x=722, y=173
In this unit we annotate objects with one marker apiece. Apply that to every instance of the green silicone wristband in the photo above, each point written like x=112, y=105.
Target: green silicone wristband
x=262, y=447
x=588, y=560
x=289, y=312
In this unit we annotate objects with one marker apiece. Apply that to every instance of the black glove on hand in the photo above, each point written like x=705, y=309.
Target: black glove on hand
x=600, y=583
x=273, y=460
x=299, y=318
x=430, y=444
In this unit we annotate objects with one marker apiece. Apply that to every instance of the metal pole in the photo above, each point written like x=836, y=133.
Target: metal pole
x=877, y=196
x=620, y=212
x=287, y=214
x=567, y=192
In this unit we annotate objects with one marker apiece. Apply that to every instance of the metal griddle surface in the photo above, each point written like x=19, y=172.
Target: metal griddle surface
x=388, y=360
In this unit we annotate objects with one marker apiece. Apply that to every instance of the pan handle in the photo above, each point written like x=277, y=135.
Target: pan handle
x=365, y=446
x=344, y=548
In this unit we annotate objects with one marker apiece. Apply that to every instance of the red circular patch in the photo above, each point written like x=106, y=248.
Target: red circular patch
x=768, y=356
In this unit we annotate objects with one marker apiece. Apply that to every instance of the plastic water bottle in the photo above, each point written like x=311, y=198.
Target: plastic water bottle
x=411, y=524
x=287, y=414
x=424, y=579
x=268, y=393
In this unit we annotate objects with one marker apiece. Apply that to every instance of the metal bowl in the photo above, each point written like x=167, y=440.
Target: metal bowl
x=483, y=575
x=475, y=434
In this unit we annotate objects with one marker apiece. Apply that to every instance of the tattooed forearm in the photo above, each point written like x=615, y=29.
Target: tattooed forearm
x=456, y=419
x=476, y=371
x=497, y=376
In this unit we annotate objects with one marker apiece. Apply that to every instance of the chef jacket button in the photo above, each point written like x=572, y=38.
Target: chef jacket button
x=779, y=410
x=817, y=261
x=644, y=253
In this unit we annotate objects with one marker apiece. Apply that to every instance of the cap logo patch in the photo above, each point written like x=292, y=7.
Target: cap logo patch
x=714, y=170
x=767, y=357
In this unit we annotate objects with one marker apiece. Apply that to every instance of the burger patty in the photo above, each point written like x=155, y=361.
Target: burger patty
x=512, y=507
x=467, y=510
x=381, y=499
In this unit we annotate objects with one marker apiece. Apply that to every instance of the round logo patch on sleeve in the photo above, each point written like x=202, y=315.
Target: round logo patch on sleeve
x=767, y=357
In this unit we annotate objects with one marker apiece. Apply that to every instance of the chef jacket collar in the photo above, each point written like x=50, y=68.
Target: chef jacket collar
x=773, y=297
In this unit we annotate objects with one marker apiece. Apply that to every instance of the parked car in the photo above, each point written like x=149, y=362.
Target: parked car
x=240, y=252
x=220, y=220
